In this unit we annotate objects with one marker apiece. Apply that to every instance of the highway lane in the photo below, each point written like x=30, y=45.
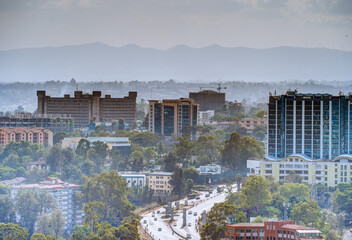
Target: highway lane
x=198, y=206
x=204, y=204
x=152, y=227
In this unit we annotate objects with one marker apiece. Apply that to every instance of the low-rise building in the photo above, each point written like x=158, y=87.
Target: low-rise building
x=251, y=123
x=273, y=230
x=160, y=182
x=204, y=116
x=329, y=173
x=15, y=182
x=33, y=135
x=40, y=164
x=122, y=144
x=53, y=122
x=63, y=193
x=134, y=179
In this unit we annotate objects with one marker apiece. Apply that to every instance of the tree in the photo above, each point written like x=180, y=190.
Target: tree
x=332, y=235
x=191, y=173
x=11, y=231
x=295, y=192
x=94, y=213
x=344, y=197
x=146, y=139
x=238, y=179
x=293, y=177
x=149, y=154
x=55, y=159
x=237, y=150
x=19, y=109
x=207, y=149
x=7, y=211
x=83, y=147
x=110, y=189
x=95, y=228
x=58, y=137
x=183, y=148
x=128, y=230
x=169, y=162
x=41, y=236
x=29, y=204
x=177, y=181
x=43, y=225
x=214, y=229
x=189, y=185
x=137, y=161
x=57, y=223
x=255, y=193
x=121, y=124
x=306, y=213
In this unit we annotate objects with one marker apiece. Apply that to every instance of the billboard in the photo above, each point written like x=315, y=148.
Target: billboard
x=210, y=169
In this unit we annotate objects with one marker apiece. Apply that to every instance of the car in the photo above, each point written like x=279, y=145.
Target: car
x=155, y=219
x=210, y=191
x=175, y=225
x=189, y=236
x=195, y=214
x=189, y=212
x=189, y=224
x=158, y=211
x=153, y=215
x=159, y=229
x=145, y=221
x=207, y=195
x=197, y=198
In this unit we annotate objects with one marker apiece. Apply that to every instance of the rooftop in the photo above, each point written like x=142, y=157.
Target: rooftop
x=48, y=184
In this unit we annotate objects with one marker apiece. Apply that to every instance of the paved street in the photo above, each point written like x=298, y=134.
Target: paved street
x=181, y=232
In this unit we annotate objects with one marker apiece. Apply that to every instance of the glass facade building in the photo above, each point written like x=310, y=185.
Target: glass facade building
x=316, y=125
x=172, y=115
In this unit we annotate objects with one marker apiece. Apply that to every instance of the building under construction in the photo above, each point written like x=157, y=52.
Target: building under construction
x=209, y=100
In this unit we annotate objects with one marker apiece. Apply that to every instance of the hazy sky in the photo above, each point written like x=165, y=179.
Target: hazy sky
x=165, y=23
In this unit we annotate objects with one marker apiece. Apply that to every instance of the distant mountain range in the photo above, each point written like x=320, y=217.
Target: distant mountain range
x=100, y=62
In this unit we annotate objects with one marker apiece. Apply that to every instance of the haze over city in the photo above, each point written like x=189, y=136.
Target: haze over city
x=176, y=119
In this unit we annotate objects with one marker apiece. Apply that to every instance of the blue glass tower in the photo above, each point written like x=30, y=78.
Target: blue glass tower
x=316, y=125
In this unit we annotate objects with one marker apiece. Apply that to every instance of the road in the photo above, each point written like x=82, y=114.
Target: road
x=347, y=234
x=181, y=232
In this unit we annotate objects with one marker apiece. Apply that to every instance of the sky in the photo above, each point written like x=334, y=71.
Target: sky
x=163, y=24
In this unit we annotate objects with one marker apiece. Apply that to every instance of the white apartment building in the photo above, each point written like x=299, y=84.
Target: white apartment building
x=63, y=193
x=134, y=179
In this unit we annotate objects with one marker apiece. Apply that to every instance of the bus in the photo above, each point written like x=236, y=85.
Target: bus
x=220, y=189
x=191, y=196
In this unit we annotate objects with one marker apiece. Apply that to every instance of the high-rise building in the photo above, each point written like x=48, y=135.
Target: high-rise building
x=90, y=107
x=63, y=193
x=33, y=135
x=316, y=125
x=209, y=100
x=172, y=115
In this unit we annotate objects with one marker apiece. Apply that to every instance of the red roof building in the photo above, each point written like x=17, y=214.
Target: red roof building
x=271, y=230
